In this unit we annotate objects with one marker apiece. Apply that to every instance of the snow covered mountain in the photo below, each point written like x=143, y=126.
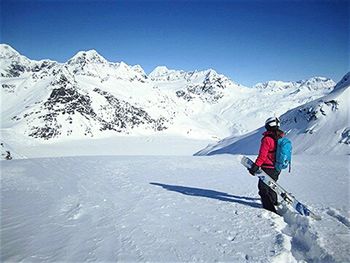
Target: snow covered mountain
x=312, y=84
x=318, y=127
x=90, y=97
x=322, y=126
x=48, y=100
x=90, y=63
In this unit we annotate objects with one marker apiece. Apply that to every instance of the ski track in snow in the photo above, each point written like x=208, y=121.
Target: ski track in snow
x=342, y=219
x=159, y=209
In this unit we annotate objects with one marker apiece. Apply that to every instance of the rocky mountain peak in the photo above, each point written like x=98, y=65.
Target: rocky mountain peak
x=343, y=83
x=7, y=52
x=314, y=83
x=85, y=57
x=13, y=64
x=138, y=69
x=317, y=83
x=160, y=72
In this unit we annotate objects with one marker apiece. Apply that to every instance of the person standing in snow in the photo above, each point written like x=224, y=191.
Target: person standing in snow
x=266, y=160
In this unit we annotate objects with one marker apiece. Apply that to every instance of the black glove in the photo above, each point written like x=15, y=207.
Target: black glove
x=253, y=169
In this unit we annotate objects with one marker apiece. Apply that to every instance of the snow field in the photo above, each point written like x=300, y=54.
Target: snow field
x=163, y=208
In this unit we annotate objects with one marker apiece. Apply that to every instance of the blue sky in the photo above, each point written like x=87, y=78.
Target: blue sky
x=249, y=41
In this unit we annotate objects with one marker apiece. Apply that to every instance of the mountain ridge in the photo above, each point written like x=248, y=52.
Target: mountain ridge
x=320, y=126
x=198, y=104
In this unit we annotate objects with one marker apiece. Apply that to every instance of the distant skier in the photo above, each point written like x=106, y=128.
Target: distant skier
x=8, y=155
x=266, y=160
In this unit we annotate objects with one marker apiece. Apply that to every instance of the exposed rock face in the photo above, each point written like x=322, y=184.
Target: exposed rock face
x=67, y=100
x=124, y=116
x=210, y=90
x=90, y=96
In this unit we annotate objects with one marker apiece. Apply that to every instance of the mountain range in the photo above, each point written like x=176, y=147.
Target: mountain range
x=321, y=126
x=88, y=96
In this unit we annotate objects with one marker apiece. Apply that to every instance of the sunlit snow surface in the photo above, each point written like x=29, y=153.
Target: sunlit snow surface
x=139, y=195
x=163, y=208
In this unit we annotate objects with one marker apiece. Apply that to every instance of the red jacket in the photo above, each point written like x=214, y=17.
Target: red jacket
x=267, y=152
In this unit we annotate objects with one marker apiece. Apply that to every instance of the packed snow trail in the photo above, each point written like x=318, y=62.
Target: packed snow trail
x=168, y=209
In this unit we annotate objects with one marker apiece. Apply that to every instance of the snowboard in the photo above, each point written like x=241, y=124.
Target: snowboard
x=286, y=196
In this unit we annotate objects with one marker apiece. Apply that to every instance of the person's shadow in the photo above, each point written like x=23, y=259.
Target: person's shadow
x=249, y=201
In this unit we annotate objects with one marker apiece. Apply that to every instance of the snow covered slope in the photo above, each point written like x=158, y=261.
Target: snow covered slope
x=7, y=152
x=322, y=126
x=90, y=97
x=318, y=127
x=70, y=100
x=168, y=209
x=312, y=84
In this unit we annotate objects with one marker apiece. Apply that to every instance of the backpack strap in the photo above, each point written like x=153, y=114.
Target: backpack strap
x=290, y=166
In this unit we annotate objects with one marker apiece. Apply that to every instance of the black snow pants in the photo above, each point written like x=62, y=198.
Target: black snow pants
x=267, y=195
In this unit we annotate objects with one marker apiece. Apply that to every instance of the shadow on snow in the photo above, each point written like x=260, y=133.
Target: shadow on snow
x=249, y=201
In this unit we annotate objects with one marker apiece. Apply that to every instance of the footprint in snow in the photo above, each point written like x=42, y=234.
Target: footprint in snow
x=72, y=208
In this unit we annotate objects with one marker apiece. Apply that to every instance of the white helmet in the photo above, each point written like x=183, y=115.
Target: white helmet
x=272, y=122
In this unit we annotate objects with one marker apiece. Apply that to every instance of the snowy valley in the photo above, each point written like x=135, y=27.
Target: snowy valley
x=112, y=164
